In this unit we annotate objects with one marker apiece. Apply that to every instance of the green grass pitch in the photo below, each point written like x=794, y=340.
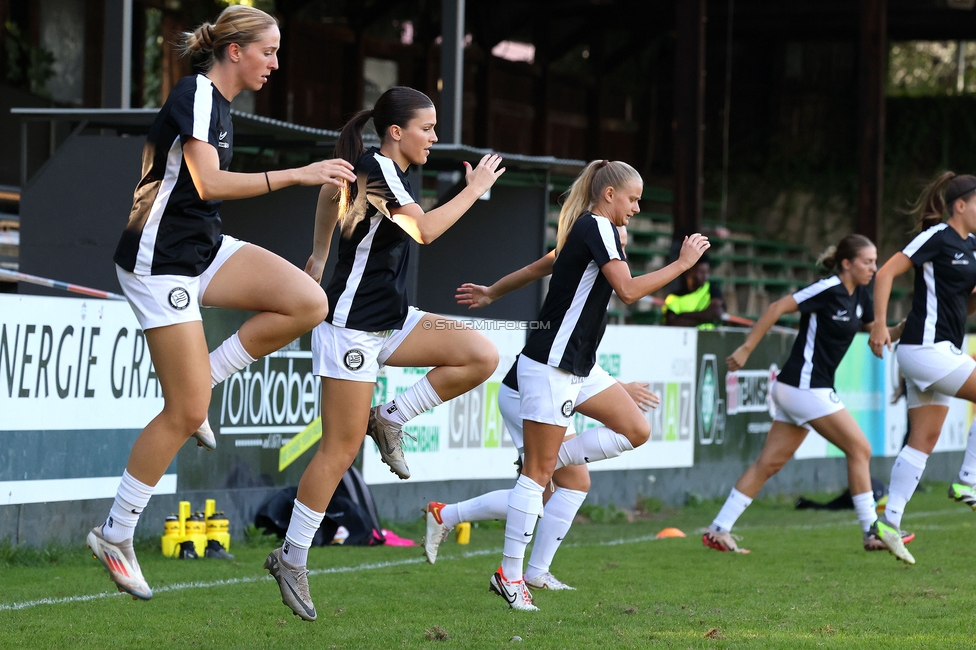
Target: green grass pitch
x=807, y=583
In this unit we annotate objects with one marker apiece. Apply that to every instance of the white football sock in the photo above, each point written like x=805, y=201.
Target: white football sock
x=493, y=505
x=905, y=475
x=967, y=473
x=417, y=399
x=524, y=508
x=592, y=445
x=866, y=510
x=304, y=524
x=734, y=506
x=229, y=357
x=559, y=511
x=130, y=500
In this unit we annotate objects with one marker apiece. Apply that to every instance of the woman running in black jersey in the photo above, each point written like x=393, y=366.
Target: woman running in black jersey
x=929, y=353
x=832, y=311
x=371, y=325
x=558, y=357
x=172, y=259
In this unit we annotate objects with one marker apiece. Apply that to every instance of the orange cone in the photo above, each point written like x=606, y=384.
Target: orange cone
x=670, y=532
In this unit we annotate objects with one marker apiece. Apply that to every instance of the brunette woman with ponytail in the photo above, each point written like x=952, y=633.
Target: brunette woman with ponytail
x=172, y=259
x=557, y=372
x=832, y=311
x=371, y=325
x=929, y=354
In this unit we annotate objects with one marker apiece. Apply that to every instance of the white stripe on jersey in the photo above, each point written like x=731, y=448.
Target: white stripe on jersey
x=808, y=346
x=606, y=233
x=572, y=315
x=147, y=241
x=921, y=238
x=393, y=180
x=931, y=304
x=202, y=109
x=341, y=311
x=817, y=287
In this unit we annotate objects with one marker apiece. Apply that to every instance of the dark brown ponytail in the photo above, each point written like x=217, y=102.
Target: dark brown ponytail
x=936, y=201
x=846, y=249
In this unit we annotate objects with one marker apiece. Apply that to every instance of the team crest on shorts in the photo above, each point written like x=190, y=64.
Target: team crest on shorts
x=179, y=298
x=567, y=408
x=354, y=359
x=954, y=349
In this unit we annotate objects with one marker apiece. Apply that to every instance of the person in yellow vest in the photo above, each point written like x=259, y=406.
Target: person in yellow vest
x=698, y=303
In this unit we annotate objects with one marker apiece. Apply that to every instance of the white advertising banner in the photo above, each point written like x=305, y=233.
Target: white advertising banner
x=466, y=439
x=76, y=387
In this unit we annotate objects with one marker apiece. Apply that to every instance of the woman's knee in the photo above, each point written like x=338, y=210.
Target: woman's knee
x=572, y=477
x=637, y=431
x=311, y=306
x=482, y=358
x=189, y=415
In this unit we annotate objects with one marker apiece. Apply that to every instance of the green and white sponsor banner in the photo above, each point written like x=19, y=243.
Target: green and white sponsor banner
x=464, y=438
x=76, y=388
x=663, y=357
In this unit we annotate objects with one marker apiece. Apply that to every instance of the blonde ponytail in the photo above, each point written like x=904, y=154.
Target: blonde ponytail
x=586, y=190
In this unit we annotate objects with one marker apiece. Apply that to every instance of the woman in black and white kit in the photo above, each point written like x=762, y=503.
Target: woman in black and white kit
x=832, y=311
x=172, y=259
x=558, y=357
x=930, y=352
x=371, y=325
x=571, y=483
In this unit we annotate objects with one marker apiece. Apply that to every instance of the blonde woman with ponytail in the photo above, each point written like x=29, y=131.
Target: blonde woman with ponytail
x=929, y=353
x=371, y=325
x=558, y=362
x=832, y=311
x=172, y=258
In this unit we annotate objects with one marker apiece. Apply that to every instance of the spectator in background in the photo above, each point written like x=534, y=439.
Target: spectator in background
x=698, y=303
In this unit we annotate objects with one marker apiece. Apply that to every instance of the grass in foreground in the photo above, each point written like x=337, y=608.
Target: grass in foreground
x=807, y=583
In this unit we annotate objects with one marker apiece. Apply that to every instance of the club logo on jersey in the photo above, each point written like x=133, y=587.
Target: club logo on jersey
x=834, y=398
x=841, y=315
x=567, y=408
x=958, y=259
x=858, y=311
x=179, y=298
x=354, y=359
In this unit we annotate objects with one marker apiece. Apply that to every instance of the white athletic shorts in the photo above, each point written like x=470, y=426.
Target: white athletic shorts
x=800, y=405
x=508, y=404
x=933, y=373
x=343, y=353
x=549, y=395
x=161, y=300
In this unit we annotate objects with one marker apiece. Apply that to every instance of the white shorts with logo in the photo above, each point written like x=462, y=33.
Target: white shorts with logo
x=354, y=355
x=161, y=300
x=549, y=395
x=508, y=404
x=933, y=373
x=800, y=405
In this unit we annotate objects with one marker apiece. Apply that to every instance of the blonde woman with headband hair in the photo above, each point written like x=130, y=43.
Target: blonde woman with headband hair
x=173, y=258
x=930, y=355
x=558, y=362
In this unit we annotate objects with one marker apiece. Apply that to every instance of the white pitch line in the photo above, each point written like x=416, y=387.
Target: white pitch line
x=184, y=586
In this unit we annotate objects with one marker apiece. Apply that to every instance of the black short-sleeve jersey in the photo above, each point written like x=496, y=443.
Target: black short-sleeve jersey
x=574, y=314
x=171, y=230
x=830, y=317
x=368, y=289
x=945, y=274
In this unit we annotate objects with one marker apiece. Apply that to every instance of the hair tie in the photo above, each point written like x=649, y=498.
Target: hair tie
x=603, y=163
